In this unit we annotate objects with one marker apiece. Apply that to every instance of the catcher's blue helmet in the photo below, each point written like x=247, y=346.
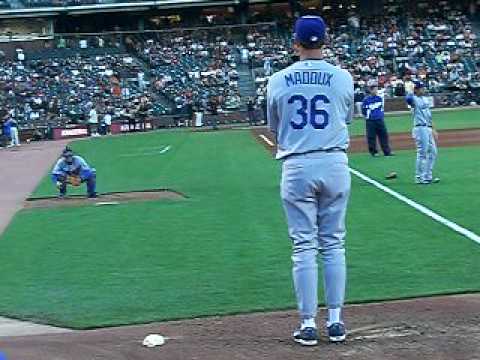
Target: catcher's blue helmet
x=67, y=154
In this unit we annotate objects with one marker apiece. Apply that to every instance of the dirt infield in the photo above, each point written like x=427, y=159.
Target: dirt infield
x=430, y=328
x=22, y=169
x=399, y=141
x=103, y=199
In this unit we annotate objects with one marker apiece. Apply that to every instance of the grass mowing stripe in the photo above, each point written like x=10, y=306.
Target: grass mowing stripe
x=449, y=120
x=455, y=227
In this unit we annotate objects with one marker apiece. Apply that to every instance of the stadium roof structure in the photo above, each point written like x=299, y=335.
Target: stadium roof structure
x=115, y=6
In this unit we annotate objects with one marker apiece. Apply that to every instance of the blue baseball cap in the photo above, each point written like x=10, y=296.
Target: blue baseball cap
x=310, y=29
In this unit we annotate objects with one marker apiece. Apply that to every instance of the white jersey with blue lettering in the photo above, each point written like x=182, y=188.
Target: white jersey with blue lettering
x=309, y=105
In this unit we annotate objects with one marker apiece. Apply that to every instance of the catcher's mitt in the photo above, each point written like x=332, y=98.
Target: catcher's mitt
x=74, y=180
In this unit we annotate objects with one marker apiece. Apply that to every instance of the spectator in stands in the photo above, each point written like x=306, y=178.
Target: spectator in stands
x=143, y=110
x=213, y=107
x=107, y=121
x=130, y=118
x=93, y=121
x=251, y=111
x=14, y=133
x=358, y=95
x=409, y=85
x=6, y=139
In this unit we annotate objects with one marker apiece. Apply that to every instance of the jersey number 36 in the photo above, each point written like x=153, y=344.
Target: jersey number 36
x=309, y=111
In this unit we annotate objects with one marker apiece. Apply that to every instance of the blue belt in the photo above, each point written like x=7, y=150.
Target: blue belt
x=423, y=126
x=328, y=150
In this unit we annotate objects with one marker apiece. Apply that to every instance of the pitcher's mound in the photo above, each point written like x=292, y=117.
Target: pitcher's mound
x=107, y=199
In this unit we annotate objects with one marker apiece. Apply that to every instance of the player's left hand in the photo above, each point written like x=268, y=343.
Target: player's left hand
x=74, y=180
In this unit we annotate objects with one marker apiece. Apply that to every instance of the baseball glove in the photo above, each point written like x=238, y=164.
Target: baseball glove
x=74, y=180
x=392, y=175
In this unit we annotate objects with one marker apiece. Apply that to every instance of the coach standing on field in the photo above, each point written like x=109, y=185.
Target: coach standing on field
x=309, y=105
x=372, y=109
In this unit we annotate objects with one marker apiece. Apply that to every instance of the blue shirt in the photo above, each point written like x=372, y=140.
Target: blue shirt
x=12, y=123
x=6, y=129
x=372, y=108
x=62, y=168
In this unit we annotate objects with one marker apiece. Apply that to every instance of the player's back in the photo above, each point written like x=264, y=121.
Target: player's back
x=309, y=105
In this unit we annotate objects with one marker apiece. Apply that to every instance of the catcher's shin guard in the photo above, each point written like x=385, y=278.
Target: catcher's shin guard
x=92, y=185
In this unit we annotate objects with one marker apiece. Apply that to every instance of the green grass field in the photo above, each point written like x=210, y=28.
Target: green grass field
x=457, y=197
x=445, y=120
x=222, y=250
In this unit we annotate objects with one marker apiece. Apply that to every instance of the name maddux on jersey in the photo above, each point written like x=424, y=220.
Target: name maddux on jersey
x=308, y=78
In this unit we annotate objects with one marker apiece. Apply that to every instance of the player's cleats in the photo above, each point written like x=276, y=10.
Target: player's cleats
x=336, y=332
x=92, y=196
x=307, y=336
x=428, y=182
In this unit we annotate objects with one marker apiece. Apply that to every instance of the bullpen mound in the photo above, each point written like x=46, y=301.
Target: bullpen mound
x=113, y=198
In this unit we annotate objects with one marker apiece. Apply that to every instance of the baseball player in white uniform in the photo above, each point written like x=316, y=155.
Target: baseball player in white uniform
x=424, y=136
x=310, y=104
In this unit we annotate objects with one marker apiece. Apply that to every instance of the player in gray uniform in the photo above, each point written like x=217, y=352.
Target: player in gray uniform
x=309, y=106
x=424, y=136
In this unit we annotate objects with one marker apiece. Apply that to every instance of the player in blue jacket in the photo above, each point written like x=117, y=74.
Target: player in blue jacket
x=372, y=109
x=6, y=132
x=70, y=165
x=13, y=131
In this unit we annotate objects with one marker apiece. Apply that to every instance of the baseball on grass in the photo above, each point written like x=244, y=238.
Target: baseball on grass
x=153, y=340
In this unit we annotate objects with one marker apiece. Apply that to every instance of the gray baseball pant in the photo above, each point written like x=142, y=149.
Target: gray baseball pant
x=315, y=189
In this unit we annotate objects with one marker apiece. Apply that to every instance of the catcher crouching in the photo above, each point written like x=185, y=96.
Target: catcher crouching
x=73, y=170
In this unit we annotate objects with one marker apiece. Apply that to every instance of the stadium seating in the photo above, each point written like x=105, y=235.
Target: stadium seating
x=60, y=88
x=199, y=70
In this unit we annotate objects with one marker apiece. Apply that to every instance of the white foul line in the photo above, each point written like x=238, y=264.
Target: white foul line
x=267, y=140
x=165, y=149
x=455, y=227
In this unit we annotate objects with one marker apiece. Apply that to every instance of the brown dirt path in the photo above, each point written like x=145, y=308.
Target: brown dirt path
x=400, y=141
x=430, y=328
x=22, y=169
x=104, y=199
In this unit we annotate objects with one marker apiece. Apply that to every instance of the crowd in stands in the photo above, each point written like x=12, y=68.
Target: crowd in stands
x=198, y=71
x=65, y=90
x=194, y=70
x=439, y=48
